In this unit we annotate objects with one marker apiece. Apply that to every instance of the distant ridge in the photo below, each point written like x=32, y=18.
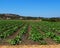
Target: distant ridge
x=15, y=16
x=19, y=17
x=10, y=16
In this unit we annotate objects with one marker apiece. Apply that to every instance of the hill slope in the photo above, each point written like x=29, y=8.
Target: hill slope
x=15, y=16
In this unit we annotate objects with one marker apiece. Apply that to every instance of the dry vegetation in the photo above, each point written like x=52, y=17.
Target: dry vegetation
x=31, y=46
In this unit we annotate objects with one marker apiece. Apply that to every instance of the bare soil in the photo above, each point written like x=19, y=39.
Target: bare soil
x=14, y=34
x=30, y=46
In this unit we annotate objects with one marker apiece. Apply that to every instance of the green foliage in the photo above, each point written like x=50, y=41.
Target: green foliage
x=38, y=31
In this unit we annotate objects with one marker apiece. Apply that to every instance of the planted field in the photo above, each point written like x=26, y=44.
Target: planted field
x=18, y=32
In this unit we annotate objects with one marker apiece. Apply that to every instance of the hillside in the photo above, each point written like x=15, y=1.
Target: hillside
x=15, y=16
x=19, y=17
x=10, y=16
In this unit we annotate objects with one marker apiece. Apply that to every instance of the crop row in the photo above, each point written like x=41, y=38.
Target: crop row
x=35, y=35
x=18, y=38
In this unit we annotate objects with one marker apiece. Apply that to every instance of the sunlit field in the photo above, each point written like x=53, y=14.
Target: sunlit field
x=29, y=32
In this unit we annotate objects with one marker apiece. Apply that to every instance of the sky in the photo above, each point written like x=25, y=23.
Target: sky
x=35, y=8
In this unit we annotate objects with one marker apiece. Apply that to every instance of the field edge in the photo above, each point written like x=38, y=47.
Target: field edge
x=30, y=46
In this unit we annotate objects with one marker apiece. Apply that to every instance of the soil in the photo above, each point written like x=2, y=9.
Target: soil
x=4, y=41
x=49, y=41
x=26, y=41
x=30, y=46
x=15, y=34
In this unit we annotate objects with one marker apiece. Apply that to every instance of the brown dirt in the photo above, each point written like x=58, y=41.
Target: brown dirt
x=4, y=41
x=14, y=34
x=30, y=46
x=58, y=34
x=49, y=41
x=26, y=41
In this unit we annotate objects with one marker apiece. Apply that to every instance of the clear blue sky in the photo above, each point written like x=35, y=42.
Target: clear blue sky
x=43, y=8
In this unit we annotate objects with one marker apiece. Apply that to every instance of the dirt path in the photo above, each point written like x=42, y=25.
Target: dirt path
x=4, y=41
x=30, y=46
x=26, y=41
x=49, y=41
x=56, y=33
x=14, y=34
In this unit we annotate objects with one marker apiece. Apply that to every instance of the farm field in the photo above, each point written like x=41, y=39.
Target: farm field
x=29, y=32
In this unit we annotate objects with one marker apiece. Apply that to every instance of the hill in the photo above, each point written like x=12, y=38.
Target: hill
x=15, y=16
x=10, y=16
x=19, y=17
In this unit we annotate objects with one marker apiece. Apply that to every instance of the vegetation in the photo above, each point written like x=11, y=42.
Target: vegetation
x=39, y=31
x=18, y=17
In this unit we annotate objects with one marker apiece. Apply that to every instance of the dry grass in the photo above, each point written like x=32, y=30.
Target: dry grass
x=30, y=46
